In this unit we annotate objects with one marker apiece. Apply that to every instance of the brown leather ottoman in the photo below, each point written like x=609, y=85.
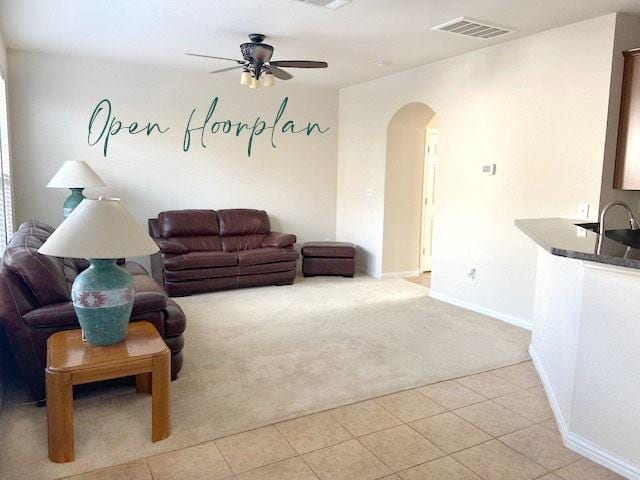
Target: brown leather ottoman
x=328, y=258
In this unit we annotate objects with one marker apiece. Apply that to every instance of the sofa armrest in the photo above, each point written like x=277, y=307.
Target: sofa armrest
x=169, y=246
x=279, y=240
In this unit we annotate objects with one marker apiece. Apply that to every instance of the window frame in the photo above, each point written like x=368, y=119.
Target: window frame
x=6, y=183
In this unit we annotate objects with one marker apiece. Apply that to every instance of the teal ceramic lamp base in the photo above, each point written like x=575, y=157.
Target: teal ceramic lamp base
x=102, y=297
x=72, y=201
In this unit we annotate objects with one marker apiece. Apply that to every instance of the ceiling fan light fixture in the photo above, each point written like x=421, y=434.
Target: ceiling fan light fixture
x=332, y=4
x=336, y=4
x=269, y=80
x=245, y=78
x=257, y=61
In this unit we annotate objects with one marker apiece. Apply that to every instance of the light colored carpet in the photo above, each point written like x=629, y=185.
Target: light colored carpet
x=256, y=356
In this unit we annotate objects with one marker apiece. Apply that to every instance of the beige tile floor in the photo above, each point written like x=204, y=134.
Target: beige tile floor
x=495, y=425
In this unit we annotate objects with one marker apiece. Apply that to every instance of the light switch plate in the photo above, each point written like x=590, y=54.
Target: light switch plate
x=583, y=210
x=489, y=169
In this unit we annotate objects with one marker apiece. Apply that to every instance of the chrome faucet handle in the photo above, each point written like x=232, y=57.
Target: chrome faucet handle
x=601, y=230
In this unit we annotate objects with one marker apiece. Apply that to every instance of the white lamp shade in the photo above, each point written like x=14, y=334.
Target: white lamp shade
x=75, y=174
x=245, y=78
x=269, y=80
x=100, y=229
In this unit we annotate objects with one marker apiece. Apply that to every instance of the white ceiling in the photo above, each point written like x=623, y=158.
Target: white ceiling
x=351, y=39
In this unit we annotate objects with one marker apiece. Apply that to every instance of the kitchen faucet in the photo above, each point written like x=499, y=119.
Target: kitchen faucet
x=633, y=221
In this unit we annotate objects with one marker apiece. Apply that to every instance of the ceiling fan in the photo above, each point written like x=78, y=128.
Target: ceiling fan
x=257, y=63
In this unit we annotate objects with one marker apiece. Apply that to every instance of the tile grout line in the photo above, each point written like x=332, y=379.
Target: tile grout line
x=298, y=454
x=329, y=410
x=261, y=466
x=402, y=422
x=224, y=459
x=146, y=461
x=376, y=456
x=274, y=424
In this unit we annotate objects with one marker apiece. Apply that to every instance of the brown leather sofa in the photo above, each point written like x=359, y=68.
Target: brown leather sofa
x=35, y=303
x=207, y=250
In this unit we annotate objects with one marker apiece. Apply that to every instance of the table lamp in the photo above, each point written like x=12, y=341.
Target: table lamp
x=75, y=175
x=101, y=231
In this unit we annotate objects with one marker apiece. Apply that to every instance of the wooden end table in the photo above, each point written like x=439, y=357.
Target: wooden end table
x=70, y=361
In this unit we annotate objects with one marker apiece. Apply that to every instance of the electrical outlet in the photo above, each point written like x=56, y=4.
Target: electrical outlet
x=472, y=274
x=583, y=210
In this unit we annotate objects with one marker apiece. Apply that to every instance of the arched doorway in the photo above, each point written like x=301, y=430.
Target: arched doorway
x=408, y=195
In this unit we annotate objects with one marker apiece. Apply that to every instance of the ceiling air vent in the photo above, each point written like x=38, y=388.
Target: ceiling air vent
x=473, y=28
x=332, y=4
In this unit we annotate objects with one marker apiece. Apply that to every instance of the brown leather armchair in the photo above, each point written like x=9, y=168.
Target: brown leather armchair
x=207, y=250
x=35, y=303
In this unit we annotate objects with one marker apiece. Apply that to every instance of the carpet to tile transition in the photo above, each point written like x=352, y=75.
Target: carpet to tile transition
x=261, y=355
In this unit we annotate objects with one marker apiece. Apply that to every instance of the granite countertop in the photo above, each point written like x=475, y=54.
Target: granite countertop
x=562, y=237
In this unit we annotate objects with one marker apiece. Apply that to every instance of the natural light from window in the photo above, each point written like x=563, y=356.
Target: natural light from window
x=6, y=209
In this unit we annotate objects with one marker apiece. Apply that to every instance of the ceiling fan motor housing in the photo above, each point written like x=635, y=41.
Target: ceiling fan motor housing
x=257, y=37
x=257, y=61
x=256, y=53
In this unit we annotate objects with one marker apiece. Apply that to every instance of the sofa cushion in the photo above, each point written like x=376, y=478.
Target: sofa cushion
x=37, y=224
x=134, y=268
x=267, y=255
x=175, y=322
x=149, y=297
x=329, y=249
x=240, y=221
x=267, y=268
x=170, y=246
x=280, y=240
x=200, y=273
x=200, y=260
x=43, y=276
x=55, y=315
x=185, y=223
x=236, y=243
x=222, y=272
x=198, y=243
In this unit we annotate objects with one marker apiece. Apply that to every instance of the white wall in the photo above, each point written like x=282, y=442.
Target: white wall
x=556, y=328
x=52, y=98
x=536, y=106
x=627, y=37
x=3, y=54
x=584, y=346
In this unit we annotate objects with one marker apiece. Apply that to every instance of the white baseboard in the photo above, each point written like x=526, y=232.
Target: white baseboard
x=518, y=322
x=551, y=396
x=364, y=271
x=578, y=443
x=409, y=273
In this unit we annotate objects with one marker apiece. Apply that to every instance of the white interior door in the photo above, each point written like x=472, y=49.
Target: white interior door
x=428, y=197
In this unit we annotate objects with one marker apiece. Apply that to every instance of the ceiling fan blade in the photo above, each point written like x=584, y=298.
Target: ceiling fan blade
x=279, y=73
x=235, y=67
x=241, y=62
x=299, y=64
